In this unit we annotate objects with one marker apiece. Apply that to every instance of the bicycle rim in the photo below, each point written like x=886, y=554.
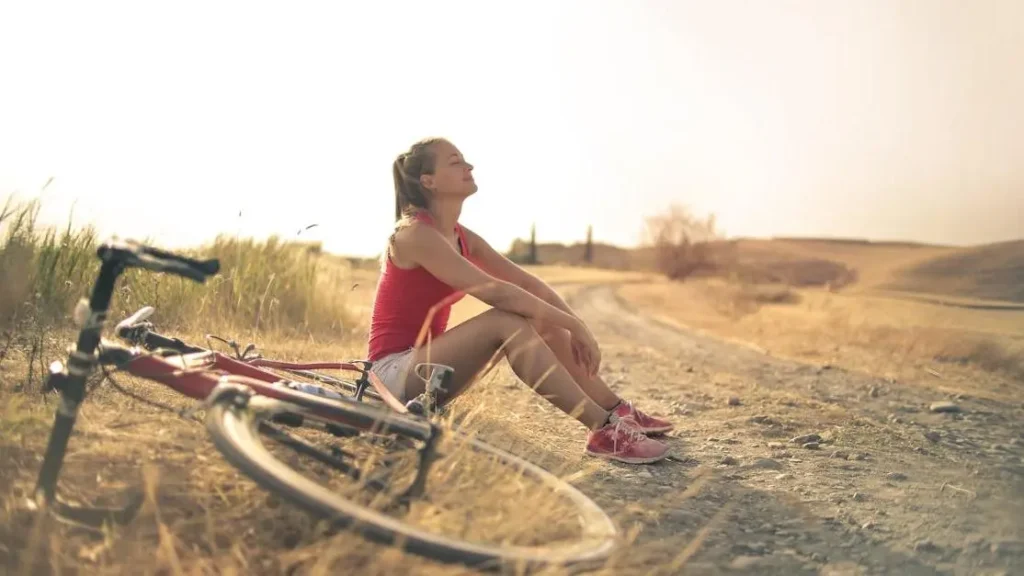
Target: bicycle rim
x=234, y=427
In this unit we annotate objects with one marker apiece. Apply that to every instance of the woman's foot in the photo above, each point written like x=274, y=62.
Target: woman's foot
x=621, y=440
x=642, y=422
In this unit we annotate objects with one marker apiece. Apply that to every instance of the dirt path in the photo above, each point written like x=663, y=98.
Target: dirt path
x=886, y=487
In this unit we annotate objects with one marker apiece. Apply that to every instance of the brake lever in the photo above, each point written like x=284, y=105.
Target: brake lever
x=248, y=349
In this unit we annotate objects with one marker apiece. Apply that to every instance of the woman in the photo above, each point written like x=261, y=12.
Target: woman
x=431, y=261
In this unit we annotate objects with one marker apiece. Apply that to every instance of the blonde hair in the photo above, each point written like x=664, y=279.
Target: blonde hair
x=407, y=169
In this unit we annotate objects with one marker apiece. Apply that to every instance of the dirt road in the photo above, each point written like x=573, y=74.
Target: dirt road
x=879, y=483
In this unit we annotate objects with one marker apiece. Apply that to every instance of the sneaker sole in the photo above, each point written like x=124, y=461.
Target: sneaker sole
x=626, y=460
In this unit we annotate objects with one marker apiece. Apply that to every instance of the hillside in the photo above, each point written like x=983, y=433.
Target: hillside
x=874, y=263
x=989, y=272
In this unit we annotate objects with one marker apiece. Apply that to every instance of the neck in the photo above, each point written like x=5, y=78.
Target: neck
x=446, y=214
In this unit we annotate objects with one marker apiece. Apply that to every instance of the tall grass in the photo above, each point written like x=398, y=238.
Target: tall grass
x=264, y=286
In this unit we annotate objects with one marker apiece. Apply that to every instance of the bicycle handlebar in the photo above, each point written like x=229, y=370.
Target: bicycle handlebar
x=135, y=254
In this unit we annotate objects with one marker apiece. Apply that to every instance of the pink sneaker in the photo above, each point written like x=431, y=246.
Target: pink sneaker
x=623, y=442
x=642, y=422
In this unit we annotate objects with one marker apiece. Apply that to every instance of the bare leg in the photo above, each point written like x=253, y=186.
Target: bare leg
x=560, y=342
x=470, y=346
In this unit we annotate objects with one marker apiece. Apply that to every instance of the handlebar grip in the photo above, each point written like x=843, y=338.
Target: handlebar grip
x=134, y=254
x=208, y=267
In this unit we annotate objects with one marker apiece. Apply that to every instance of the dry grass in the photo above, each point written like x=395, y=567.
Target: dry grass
x=285, y=289
x=885, y=336
x=203, y=516
x=991, y=272
x=874, y=262
x=271, y=285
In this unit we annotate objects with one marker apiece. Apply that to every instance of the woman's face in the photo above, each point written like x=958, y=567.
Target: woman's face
x=452, y=177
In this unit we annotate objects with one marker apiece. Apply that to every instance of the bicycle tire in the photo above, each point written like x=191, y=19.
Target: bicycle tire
x=234, y=425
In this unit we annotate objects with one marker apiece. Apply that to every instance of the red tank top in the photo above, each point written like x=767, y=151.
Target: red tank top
x=402, y=301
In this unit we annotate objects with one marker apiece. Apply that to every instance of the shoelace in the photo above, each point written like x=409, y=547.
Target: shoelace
x=622, y=428
x=636, y=415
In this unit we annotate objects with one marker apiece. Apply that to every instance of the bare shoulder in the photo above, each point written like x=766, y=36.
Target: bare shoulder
x=412, y=241
x=404, y=239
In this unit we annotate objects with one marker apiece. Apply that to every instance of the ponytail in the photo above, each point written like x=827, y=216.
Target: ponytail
x=406, y=171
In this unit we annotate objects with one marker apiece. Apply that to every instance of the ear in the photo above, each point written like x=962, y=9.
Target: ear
x=427, y=181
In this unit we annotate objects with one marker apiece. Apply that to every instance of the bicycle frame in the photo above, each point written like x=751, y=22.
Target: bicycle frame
x=136, y=330
x=215, y=361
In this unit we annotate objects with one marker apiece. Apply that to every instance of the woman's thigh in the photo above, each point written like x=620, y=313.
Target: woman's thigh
x=468, y=348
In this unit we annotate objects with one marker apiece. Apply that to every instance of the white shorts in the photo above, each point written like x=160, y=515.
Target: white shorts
x=393, y=370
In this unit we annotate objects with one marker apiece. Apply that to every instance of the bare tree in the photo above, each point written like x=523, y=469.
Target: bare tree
x=682, y=242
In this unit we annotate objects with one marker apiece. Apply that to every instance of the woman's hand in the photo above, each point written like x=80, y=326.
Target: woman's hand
x=585, y=350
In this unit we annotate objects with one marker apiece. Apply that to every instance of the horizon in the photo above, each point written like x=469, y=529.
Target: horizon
x=571, y=242
x=864, y=121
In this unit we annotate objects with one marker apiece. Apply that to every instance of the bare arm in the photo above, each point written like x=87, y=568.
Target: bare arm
x=425, y=246
x=501, y=267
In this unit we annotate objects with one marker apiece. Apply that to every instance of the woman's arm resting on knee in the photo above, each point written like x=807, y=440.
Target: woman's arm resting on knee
x=425, y=246
x=501, y=267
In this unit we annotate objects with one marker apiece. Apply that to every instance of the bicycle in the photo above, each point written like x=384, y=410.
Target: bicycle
x=244, y=402
x=137, y=330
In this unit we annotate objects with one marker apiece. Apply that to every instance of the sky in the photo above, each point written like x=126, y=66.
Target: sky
x=878, y=119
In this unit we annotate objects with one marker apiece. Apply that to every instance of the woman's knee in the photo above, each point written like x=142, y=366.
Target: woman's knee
x=506, y=326
x=550, y=332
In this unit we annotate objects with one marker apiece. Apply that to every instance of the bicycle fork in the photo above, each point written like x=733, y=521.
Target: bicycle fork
x=70, y=382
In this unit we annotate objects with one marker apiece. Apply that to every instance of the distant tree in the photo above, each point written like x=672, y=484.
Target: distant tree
x=532, y=258
x=588, y=250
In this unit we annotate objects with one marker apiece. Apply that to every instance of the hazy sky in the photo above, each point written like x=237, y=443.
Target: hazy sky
x=885, y=119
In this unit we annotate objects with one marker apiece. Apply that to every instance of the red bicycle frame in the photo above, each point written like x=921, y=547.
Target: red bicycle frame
x=196, y=374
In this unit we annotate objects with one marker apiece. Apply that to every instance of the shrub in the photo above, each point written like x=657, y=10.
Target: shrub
x=684, y=244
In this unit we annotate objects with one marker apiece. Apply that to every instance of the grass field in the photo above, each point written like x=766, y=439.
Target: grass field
x=202, y=516
x=888, y=336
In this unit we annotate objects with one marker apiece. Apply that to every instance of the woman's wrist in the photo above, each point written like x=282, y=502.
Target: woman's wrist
x=578, y=328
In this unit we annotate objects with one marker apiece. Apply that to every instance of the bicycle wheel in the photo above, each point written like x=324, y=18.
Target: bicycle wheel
x=378, y=495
